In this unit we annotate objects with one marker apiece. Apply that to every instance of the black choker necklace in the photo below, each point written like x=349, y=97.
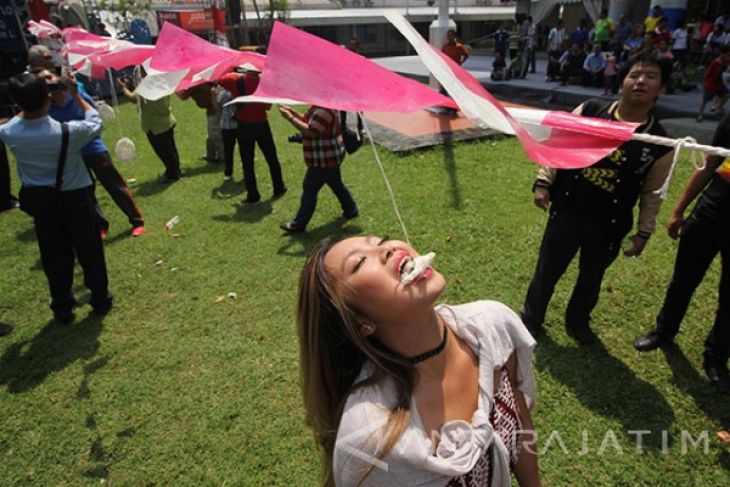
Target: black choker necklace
x=434, y=351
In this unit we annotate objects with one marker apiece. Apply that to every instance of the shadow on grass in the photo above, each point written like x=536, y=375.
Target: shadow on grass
x=449, y=163
x=153, y=187
x=693, y=383
x=607, y=387
x=227, y=190
x=27, y=235
x=299, y=244
x=247, y=213
x=26, y=364
x=122, y=235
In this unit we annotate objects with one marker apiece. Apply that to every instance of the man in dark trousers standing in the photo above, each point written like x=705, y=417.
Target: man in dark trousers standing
x=253, y=128
x=592, y=208
x=702, y=236
x=68, y=227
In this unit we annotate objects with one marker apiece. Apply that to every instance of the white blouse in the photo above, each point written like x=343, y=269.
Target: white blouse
x=494, y=332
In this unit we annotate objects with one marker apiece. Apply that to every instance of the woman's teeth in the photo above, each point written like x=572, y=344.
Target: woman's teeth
x=412, y=268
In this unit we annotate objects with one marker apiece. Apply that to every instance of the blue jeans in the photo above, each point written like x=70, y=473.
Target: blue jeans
x=314, y=179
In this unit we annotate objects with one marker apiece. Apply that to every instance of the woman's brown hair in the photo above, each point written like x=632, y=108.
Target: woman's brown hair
x=332, y=352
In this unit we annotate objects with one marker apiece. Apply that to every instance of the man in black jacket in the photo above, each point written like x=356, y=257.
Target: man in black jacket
x=592, y=208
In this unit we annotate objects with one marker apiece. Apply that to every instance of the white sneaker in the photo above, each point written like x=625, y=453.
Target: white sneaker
x=227, y=178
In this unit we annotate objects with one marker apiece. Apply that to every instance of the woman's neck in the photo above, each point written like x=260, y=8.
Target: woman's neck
x=414, y=335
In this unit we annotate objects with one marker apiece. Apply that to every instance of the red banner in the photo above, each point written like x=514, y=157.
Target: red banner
x=191, y=20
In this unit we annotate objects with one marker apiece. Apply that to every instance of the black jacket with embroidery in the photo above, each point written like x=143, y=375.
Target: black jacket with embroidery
x=610, y=188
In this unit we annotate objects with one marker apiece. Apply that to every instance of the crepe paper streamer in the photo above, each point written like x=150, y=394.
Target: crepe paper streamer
x=328, y=75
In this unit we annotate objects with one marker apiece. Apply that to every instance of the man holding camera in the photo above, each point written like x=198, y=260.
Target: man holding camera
x=60, y=202
x=324, y=151
x=95, y=154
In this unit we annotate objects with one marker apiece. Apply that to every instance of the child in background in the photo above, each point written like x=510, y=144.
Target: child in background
x=610, y=74
x=499, y=66
x=517, y=66
x=228, y=128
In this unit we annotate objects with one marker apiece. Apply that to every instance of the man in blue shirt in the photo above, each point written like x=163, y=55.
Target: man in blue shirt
x=593, y=67
x=70, y=227
x=580, y=35
x=96, y=156
x=501, y=40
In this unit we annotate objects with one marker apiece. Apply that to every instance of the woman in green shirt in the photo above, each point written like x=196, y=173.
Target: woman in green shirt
x=158, y=123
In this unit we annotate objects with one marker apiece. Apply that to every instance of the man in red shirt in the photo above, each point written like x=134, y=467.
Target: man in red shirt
x=455, y=49
x=714, y=87
x=253, y=128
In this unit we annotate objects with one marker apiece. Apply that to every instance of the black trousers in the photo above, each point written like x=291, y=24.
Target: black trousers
x=72, y=229
x=106, y=173
x=314, y=179
x=6, y=198
x=164, y=146
x=565, y=234
x=250, y=134
x=701, y=241
x=592, y=79
x=229, y=144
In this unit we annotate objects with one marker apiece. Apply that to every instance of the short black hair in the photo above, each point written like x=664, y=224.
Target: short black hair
x=29, y=91
x=648, y=57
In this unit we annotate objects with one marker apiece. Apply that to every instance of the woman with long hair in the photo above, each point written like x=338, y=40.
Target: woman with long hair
x=401, y=393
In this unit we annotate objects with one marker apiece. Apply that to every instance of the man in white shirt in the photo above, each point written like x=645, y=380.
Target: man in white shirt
x=555, y=46
x=67, y=227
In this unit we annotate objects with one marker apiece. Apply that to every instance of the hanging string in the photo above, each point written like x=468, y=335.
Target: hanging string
x=679, y=144
x=385, y=178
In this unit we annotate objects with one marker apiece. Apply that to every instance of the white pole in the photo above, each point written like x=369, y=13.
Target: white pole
x=437, y=32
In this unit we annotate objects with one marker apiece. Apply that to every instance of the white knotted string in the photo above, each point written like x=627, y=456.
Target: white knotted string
x=678, y=146
x=385, y=178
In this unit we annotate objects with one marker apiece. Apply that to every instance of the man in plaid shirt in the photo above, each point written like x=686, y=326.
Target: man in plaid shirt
x=324, y=151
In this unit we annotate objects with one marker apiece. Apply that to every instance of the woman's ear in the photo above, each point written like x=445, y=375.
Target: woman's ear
x=367, y=328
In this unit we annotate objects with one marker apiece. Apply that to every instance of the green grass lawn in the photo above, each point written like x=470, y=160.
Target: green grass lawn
x=175, y=388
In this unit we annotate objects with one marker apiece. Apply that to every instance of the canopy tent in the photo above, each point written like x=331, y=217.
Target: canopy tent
x=542, y=8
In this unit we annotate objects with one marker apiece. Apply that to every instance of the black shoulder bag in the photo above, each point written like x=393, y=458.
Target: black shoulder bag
x=42, y=200
x=353, y=140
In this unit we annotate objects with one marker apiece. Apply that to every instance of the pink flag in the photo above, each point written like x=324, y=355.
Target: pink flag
x=300, y=66
x=554, y=139
x=42, y=29
x=178, y=49
x=93, y=55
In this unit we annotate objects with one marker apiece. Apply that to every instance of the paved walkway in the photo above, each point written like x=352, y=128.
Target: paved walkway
x=677, y=111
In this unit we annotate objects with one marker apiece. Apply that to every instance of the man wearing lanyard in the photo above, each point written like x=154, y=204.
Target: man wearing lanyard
x=69, y=228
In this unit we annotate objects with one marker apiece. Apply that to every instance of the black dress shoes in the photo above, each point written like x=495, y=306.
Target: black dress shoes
x=651, y=341
x=717, y=374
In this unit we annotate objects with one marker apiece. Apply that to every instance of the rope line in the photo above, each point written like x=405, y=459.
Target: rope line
x=385, y=178
x=678, y=145
x=693, y=146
